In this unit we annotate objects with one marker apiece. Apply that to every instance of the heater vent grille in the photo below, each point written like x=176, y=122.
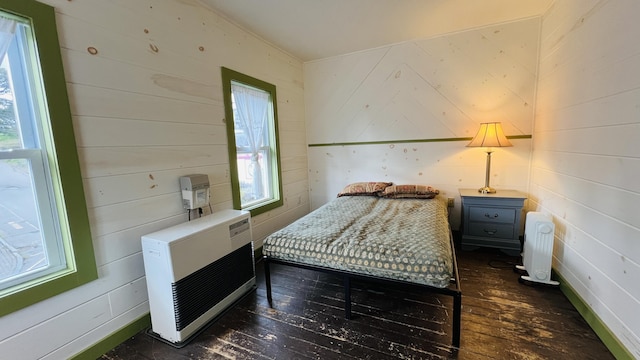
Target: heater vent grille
x=198, y=292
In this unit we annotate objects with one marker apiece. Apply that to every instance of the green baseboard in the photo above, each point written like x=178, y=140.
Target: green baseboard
x=114, y=339
x=604, y=333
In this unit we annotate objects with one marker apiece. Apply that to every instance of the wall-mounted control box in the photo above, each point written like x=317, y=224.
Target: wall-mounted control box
x=195, y=191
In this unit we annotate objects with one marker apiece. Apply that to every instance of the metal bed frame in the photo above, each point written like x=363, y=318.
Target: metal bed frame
x=452, y=290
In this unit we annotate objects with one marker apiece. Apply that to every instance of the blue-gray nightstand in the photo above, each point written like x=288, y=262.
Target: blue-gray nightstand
x=492, y=220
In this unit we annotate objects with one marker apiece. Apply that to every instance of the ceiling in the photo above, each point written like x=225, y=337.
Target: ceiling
x=317, y=29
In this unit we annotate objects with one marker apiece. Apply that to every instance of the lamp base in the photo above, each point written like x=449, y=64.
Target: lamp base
x=487, y=190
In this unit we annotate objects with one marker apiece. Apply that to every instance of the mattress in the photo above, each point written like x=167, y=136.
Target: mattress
x=399, y=239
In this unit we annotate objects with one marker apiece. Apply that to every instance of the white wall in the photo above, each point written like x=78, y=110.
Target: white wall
x=147, y=108
x=586, y=154
x=440, y=87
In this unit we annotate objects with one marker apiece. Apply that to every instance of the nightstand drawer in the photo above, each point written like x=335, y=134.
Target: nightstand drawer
x=491, y=214
x=491, y=230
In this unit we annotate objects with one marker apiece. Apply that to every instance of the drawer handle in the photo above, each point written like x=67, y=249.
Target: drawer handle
x=487, y=215
x=491, y=231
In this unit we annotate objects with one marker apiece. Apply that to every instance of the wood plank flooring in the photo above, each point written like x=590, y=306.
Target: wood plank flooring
x=501, y=319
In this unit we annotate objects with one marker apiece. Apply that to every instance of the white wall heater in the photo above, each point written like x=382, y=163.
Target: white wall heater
x=537, y=253
x=195, y=271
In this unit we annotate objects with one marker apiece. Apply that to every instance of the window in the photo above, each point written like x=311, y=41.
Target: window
x=45, y=243
x=252, y=132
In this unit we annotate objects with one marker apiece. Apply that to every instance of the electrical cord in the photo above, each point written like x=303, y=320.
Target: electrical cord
x=501, y=264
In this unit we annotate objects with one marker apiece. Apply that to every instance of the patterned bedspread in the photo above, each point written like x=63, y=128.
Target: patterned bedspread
x=402, y=239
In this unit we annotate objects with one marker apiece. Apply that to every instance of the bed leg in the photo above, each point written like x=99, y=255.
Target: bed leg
x=347, y=297
x=457, y=312
x=267, y=280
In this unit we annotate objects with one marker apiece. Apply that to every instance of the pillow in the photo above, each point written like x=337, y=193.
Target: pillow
x=364, y=188
x=409, y=191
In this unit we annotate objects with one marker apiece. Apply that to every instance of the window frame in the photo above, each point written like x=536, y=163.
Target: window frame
x=229, y=76
x=64, y=167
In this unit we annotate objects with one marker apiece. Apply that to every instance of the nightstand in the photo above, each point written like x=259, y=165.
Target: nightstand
x=492, y=220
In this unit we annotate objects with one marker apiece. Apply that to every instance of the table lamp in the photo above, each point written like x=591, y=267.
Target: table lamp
x=490, y=135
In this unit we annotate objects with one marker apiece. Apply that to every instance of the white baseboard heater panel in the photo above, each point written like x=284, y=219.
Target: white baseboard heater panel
x=196, y=270
x=537, y=253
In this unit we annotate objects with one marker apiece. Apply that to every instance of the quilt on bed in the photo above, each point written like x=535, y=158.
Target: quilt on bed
x=401, y=239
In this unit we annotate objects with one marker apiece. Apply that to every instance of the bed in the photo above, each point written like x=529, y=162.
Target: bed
x=375, y=232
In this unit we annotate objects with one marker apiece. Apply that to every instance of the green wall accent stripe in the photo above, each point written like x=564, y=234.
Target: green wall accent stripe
x=115, y=339
x=604, y=333
x=383, y=142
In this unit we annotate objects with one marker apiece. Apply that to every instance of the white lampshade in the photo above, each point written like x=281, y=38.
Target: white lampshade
x=490, y=135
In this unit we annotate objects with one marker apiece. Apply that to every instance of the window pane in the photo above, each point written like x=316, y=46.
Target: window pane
x=253, y=124
x=252, y=191
x=31, y=244
x=21, y=243
x=9, y=135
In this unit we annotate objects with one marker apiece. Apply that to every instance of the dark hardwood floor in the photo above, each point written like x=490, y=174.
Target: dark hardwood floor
x=501, y=319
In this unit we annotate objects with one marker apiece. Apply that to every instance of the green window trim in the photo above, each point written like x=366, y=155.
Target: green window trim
x=229, y=76
x=70, y=200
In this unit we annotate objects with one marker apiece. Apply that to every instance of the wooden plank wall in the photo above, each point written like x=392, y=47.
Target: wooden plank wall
x=439, y=87
x=146, y=98
x=586, y=157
